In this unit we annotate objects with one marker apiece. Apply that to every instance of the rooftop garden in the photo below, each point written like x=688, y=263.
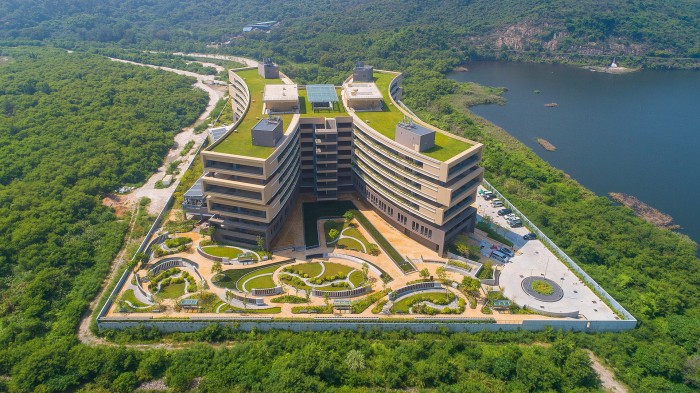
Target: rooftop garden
x=305, y=109
x=385, y=122
x=240, y=142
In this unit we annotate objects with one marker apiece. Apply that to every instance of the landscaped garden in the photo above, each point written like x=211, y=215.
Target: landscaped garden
x=172, y=283
x=257, y=279
x=345, y=235
x=224, y=251
x=326, y=276
x=229, y=278
x=314, y=211
x=411, y=302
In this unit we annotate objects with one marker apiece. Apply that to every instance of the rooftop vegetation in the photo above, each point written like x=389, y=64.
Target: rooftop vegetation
x=385, y=122
x=305, y=109
x=240, y=142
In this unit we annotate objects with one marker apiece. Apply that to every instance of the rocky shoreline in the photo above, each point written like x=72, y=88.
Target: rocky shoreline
x=645, y=211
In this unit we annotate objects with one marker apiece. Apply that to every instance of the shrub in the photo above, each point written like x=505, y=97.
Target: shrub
x=361, y=305
x=542, y=287
x=177, y=242
x=288, y=299
x=348, y=216
x=373, y=249
x=379, y=306
x=333, y=233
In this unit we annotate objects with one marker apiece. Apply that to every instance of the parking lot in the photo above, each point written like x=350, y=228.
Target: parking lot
x=532, y=258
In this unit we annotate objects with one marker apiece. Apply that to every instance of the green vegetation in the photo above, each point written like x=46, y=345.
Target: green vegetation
x=306, y=270
x=486, y=272
x=172, y=291
x=542, y=287
x=356, y=278
x=160, y=59
x=361, y=305
x=259, y=279
x=131, y=298
x=404, y=305
x=288, y=299
x=317, y=210
x=312, y=309
x=486, y=227
x=223, y=251
x=390, y=250
x=379, y=306
x=305, y=109
x=73, y=128
x=295, y=282
x=177, y=242
x=241, y=142
x=230, y=278
x=269, y=310
x=187, y=180
x=385, y=122
x=186, y=149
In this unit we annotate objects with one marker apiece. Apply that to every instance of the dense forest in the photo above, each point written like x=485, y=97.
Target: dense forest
x=640, y=32
x=74, y=126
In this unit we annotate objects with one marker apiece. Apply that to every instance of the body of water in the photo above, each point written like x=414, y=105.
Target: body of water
x=636, y=133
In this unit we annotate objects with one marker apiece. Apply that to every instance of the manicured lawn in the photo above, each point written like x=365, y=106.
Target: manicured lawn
x=313, y=269
x=354, y=232
x=229, y=278
x=259, y=282
x=385, y=122
x=223, y=251
x=403, y=305
x=350, y=244
x=356, y=278
x=131, y=298
x=333, y=269
x=313, y=211
x=241, y=142
x=172, y=291
x=484, y=226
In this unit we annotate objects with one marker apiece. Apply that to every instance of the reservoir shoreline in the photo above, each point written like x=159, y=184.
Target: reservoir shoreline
x=634, y=133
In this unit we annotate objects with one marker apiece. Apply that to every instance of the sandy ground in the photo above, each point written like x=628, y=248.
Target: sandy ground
x=607, y=377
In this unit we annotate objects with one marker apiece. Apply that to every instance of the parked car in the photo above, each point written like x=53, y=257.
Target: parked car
x=530, y=236
x=504, y=212
x=488, y=197
x=496, y=203
x=511, y=216
x=515, y=223
x=500, y=257
x=507, y=251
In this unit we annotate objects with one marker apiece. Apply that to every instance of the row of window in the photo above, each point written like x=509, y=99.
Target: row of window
x=426, y=232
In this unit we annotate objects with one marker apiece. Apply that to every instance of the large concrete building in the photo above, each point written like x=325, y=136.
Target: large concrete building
x=336, y=139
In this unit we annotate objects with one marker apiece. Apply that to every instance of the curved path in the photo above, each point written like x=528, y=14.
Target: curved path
x=244, y=289
x=159, y=197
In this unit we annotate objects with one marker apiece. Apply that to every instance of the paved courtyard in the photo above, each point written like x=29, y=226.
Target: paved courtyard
x=532, y=258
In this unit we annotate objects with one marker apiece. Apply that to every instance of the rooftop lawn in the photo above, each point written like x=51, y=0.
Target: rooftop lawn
x=241, y=142
x=305, y=109
x=385, y=122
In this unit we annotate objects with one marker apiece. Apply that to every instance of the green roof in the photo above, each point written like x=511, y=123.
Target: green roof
x=305, y=109
x=241, y=142
x=385, y=122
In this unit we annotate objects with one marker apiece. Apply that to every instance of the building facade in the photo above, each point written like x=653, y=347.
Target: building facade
x=420, y=179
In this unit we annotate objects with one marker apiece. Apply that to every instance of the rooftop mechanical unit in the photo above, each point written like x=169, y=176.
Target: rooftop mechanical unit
x=414, y=136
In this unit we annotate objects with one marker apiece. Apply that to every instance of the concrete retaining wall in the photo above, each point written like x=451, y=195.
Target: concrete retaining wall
x=422, y=326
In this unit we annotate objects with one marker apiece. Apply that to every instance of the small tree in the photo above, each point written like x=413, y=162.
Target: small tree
x=365, y=271
x=216, y=268
x=229, y=296
x=348, y=216
x=373, y=249
x=261, y=243
x=462, y=248
x=333, y=233
x=441, y=273
x=424, y=274
x=471, y=285
x=308, y=296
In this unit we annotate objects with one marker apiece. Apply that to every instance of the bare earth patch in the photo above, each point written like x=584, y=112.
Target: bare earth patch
x=645, y=211
x=607, y=378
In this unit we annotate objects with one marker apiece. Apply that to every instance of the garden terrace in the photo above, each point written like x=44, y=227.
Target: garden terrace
x=313, y=211
x=385, y=122
x=230, y=277
x=241, y=142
